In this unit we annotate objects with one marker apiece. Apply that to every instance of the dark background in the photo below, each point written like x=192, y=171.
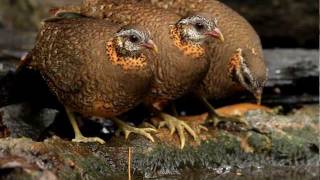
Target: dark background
x=280, y=23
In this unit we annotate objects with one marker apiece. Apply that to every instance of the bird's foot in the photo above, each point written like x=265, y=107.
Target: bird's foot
x=127, y=130
x=82, y=139
x=175, y=124
x=78, y=135
x=216, y=120
x=246, y=126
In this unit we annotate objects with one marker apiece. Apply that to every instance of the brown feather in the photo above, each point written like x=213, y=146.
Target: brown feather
x=176, y=72
x=238, y=33
x=73, y=58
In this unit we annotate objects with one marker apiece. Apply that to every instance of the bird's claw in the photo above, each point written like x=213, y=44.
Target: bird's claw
x=142, y=131
x=127, y=130
x=201, y=127
x=180, y=126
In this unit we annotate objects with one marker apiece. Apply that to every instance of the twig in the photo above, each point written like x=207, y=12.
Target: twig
x=129, y=163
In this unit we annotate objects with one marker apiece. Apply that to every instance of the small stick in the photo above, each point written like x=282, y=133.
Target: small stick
x=129, y=163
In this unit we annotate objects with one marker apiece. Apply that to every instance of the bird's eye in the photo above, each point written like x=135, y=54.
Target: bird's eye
x=134, y=38
x=199, y=26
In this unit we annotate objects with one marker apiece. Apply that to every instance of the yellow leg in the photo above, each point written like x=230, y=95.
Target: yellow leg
x=78, y=135
x=127, y=129
x=215, y=118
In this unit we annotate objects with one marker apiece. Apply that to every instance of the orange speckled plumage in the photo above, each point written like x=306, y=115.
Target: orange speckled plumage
x=194, y=50
x=78, y=62
x=234, y=62
x=125, y=62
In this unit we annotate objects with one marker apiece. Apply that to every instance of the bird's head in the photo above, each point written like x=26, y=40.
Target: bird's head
x=132, y=41
x=247, y=68
x=130, y=47
x=198, y=28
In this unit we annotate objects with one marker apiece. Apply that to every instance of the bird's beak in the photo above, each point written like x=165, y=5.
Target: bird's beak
x=216, y=33
x=258, y=94
x=151, y=45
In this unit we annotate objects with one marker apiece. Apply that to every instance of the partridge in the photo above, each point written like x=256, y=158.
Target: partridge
x=94, y=68
x=181, y=63
x=237, y=64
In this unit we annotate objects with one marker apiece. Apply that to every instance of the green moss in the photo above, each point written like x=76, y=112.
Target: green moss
x=307, y=133
x=225, y=150
x=291, y=150
x=259, y=142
